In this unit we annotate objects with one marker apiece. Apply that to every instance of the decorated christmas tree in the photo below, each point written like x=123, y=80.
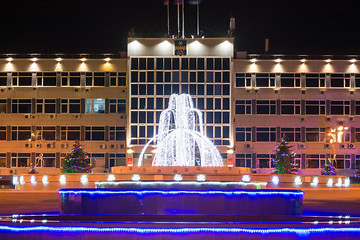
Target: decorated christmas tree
x=77, y=161
x=328, y=168
x=284, y=158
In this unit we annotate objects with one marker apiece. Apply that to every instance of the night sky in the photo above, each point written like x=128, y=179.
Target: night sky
x=94, y=26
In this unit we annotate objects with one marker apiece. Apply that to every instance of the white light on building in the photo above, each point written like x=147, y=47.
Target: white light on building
x=111, y=178
x=201, y=178
x=315, y=182
x=45, y=180
x=297, y=181
x=347, y=182
x=84, y=179
x=246, y=178
x=330, y=182
x=136, y=177
x=62, y=179
x=339, y=183
x=22, y=181
x=177, y=177
x=15, y=180
x=32, y=179
x=275, y=180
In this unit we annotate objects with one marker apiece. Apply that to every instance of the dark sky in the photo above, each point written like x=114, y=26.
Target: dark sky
x=102, y=26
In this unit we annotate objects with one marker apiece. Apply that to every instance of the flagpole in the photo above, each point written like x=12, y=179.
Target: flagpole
x=178, y=12
x=183, y=20
x=198, y=20
x=168, y=18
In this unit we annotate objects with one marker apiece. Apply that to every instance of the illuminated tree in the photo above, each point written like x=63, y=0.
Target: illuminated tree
x=77, y=161
x=284, y=158
x=328, y=168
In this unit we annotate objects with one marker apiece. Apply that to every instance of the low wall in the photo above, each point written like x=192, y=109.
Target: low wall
x=159, y=201
x=181, y=170
x=88, y=180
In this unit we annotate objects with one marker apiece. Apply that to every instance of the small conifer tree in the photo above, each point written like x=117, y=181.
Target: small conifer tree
x=77, y=161
x=284, y=158
x=328, y=168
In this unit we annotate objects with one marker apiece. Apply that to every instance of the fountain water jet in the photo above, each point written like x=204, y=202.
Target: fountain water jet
x=181, y=140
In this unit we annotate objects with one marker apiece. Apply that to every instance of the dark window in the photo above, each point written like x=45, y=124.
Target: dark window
x=159, y=63
x=134, y=64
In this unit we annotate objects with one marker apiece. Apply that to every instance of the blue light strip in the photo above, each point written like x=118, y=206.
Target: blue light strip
x=142, y=192
x=182, y=230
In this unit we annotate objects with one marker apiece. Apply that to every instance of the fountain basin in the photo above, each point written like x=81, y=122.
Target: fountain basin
x=165, y=201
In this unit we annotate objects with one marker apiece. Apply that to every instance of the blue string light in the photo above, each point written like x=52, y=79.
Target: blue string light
x=182, y=230
x=142, y=192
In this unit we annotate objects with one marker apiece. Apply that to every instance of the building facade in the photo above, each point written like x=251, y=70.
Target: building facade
x=112, y=105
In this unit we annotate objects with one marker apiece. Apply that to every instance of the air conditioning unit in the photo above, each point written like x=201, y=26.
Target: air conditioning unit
x=343, y=146
x=351, y=119
x=327, y=146
x=122, y=146
x=248, y=145
x=102, y=146
x=301, y=119
x=351, y=146
x=38, y=145
x=87, y=89
x=28, y=116
x=340, y=123
x=52, y=116
x=28, y=145
x=64, y=145
x=301, y=146
x=328, y=119
x=76, y=89
x=113, y=146
x=2, y=89
x=77, y=116
x=50, y=145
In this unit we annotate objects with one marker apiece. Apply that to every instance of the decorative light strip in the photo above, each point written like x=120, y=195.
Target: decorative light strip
x=142, y=192
x=184, y=230
x=183, y=183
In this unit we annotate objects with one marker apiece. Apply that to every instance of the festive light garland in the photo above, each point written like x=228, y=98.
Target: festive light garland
x=142, y=192
x=182, y=230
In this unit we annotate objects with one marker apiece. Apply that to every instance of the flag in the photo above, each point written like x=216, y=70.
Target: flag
x=166, y=2
x=178, y=2
x=194, y=2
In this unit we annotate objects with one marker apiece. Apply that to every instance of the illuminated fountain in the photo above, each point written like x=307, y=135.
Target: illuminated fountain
x=181, y=143
x=181, y=140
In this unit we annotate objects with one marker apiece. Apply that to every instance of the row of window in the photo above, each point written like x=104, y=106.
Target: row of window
x=297, y=134
x=311, y=161
x=180, y=76
x=297, y=107
x=65, y=105
x=63, y=79
x=177, y=63
x=285, y=80
x=49, y=159
x=218, y=134
x=67, y=133
x=168, y=89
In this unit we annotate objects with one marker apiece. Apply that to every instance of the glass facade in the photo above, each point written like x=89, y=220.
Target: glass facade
x=153, y=80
